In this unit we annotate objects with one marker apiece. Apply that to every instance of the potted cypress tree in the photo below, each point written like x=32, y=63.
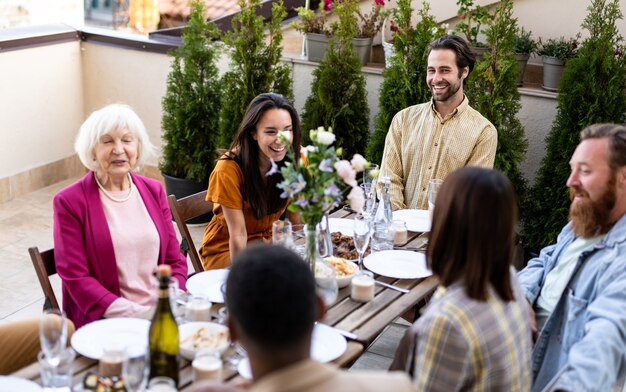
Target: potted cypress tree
x=592, y=91
x=191, y=107
x=255, y=65
x=338, y=96
x=525, y=45
x=404, y=81
x=555, y=53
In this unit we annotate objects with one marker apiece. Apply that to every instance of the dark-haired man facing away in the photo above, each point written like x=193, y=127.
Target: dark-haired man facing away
x=272, y=304
x=430, y=140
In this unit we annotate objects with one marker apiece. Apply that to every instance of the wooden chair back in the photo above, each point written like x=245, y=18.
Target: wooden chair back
x=45, y=267
x=183, y=210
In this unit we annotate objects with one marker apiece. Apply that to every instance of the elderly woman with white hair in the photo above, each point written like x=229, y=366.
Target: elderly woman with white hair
x=112, y=227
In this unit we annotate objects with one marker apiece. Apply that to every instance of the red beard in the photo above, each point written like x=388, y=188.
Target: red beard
x=592, y=218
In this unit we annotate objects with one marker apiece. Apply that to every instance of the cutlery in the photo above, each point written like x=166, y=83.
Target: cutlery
x=390, y=286
x=346, y=334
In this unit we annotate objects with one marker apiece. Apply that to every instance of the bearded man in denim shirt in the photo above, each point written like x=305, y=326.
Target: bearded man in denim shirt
x=577, y=287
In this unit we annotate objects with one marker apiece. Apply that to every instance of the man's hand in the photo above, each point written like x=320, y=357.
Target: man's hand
x=533, y=322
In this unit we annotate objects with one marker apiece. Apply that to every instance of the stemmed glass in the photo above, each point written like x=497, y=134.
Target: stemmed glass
x=433, y=188
x=53, y=337
x=362, y=231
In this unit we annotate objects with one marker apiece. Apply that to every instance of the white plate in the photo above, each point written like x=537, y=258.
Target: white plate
x=221, y=341
x=90, y=339
x=12, y=384
x=345, y=226
x=416, y=220
x=327, y=344
x=399, y=264
x=208, y=284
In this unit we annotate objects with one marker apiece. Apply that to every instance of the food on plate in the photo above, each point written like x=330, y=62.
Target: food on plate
x=342, y=267
x=203, y=338
x=343, y=246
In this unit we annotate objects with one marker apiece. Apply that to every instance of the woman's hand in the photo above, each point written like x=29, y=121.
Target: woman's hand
x=238, y=235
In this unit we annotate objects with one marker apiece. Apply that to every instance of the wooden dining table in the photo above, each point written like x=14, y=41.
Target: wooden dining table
x=365, y=320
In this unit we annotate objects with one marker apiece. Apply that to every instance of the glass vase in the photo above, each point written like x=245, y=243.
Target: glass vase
x=325, y=280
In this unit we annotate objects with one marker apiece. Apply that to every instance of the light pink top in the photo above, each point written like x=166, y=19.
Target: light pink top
x=136, y=246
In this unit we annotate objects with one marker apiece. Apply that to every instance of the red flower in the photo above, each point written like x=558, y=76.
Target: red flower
x=380, y=2
x=393, y=27
x=328, y=5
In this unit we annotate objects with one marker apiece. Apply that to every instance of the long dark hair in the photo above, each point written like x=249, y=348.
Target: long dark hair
x=263, y=199
x=473, y=232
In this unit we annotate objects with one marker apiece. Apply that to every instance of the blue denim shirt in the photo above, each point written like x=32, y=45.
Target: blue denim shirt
x=582, y=346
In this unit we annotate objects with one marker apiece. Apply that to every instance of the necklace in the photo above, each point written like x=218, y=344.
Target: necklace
x=109, y=196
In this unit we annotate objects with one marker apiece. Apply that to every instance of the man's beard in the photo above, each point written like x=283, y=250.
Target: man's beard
x=452, y=89
x=592, y=218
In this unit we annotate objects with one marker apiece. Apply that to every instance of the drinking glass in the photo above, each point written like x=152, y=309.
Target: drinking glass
x=58, y=377
x=53, y=337
x=370, y=176
x=281, y=233
x=369, y=196
x=135, y=367
x=433, y=188
x=298, y=233
x=362, y=231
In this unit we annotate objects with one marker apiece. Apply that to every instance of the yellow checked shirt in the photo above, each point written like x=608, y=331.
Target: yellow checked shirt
x=420, y=146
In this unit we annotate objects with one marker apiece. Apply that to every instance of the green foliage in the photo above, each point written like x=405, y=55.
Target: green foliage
x=311, y=22
x=560, y=48
x=492, y=91
x=255, y=67
x=472, y=17
x=191, y=104
x=405, y=78
x=338, y=96
x=524, y=43
x=591, y=91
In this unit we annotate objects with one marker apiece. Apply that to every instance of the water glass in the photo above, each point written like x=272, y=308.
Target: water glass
x=298, y=233
x=362, y=232
x=370, y=176
x=369, y=196
x=281, y=233
x=60, y=374
x=53, y=335
x=433, y=189
x=135, y=367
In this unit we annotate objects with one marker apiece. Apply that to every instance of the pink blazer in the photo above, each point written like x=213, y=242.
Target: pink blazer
x=83, y=248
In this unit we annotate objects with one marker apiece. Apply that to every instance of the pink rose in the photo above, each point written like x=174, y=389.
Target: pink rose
x=346, y=172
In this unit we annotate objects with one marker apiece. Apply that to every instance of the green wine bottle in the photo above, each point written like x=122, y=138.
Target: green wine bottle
x=163, y=337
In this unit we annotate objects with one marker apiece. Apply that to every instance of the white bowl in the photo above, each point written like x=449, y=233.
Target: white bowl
x=208, y=336
x=345, y=281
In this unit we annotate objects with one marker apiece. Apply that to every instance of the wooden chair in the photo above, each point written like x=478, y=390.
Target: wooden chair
x=45, y=267
x=183, y=210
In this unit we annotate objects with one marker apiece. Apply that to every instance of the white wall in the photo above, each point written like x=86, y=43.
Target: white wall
x=14, y=13
x=41, y=105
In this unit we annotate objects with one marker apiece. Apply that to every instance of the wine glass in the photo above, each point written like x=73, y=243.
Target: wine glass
x=433, y=188
x=53, y=336
x=362, y=231
x=369, y=196
x=134, y=367
x=370, y=176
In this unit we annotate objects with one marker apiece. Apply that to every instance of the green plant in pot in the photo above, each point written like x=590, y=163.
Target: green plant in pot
x=472, y=17
x=592, y=91
x=338, y=96
x=555, y=52
x=191, y=107
x=255, y=64
x=316, y=30
x=524, y=46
